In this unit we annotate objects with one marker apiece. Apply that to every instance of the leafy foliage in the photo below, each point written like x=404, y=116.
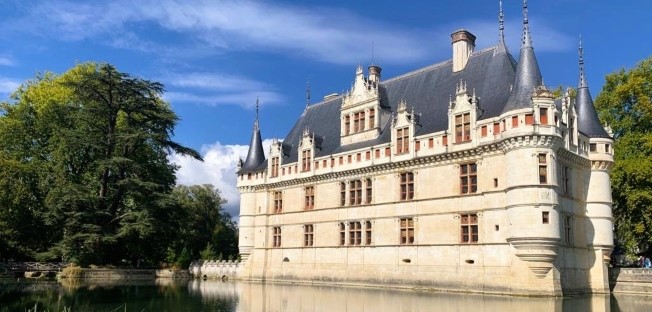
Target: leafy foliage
x=84, y=174
x=625, y=104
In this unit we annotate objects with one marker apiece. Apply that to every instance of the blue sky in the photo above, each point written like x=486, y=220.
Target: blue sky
x=216, y=57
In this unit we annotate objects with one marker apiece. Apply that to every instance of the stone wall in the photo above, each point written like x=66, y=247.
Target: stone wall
x=224, y=269
x=117, y=274
x=630, y=280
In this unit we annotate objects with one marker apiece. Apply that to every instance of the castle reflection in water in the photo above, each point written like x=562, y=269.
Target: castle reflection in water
x=274, y=297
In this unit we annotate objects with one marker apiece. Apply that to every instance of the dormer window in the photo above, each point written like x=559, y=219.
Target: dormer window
x=372, y=118
x=463, y=127
x=275, y=165
x=358, y=122
x=306, y=159
x=347, y=124
x=543, y=116
x=402, y=140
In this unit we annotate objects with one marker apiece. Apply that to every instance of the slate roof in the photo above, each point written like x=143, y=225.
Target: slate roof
x=428, y=90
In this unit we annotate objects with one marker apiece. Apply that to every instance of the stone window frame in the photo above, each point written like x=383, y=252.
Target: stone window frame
x=308, y=235
x=406, y=186
x=406, y=231
x=469, y=228
x=276, y=237
x=468, y=178
x=306, y=160
x=462, y=127
x=309, y=197
x=277, y=201
x=402, y=140
x=355, y=192
x=542, y=161
x=275, y=165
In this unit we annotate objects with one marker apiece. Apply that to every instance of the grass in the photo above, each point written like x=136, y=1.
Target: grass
x=71, y=272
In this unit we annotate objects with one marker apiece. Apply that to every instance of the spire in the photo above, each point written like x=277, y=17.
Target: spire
x=502, y=47
x=587, y=117
x=308, y=94
x=256, y=155
x=582, y=83
x=527, y=41
x=528, y=74
x=501, y=23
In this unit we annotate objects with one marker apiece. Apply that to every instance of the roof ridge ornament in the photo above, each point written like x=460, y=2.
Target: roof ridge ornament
x=582, y=83
x=256, y=126
x=501, y=23
x=527, y=40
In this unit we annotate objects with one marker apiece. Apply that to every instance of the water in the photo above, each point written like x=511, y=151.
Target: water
x=196, y=295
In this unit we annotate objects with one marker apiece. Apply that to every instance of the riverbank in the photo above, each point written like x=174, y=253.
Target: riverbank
x=630, y=281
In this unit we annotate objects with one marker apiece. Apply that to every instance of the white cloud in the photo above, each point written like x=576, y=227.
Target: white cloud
x=218, y=89
x=7, y=61
x=218, y=168
x=8, y=86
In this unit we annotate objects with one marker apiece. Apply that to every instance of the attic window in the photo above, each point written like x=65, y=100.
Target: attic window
x=463, y=127
x=402, y=140
x=543, y=116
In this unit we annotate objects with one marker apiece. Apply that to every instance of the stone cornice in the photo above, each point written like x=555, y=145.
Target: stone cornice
x=410, y=164
x=530, y=140
x=572, y=158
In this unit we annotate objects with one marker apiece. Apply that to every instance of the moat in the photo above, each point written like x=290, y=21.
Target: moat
x=198, y=295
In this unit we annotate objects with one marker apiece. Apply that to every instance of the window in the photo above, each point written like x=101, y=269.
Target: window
x=593, y=147
x=514, y=121
x=276, y=237
x=308, y=235
x=355, y=192
x=248, y=176
x=407, y=186
x=310, y=198
x=342, y=234
x=607, y=148
x=306, y=159
x=324, y=163
x=316, y=165
x=407, y=231
x=368, y=191
x=348, y=159
x=358, y=157
x=387, y=151
x=372, y=118
x=431, y=143
x=402, y=141
x=463, y=127
x=543, y=168
x=278, y=202
x=543, y=116
x=275, y=167
x=568, y=229
x=368, y=233
x=367, y=155
x=496, y=128
x=355, y=233
x=444, y=140
x=495, y=182
x=469, y=228
x=342, y=193
x=417, y=146
x=341, y=160
x=358, y=122
x=468, y=178
x=347, y=124
x=377, y=153
x=545, y=217
x=565, y=183
x=529, y=119
x=571, y=131
x=483, y=131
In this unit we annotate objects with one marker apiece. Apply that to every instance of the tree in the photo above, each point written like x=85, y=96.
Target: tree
x=91, y=147
x=208, y=231
x=625, y=104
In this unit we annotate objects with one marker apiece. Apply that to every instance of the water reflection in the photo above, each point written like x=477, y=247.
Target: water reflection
x=316, y=298
x=197, y=295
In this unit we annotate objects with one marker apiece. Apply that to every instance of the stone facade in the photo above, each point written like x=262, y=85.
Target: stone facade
x=467, y=175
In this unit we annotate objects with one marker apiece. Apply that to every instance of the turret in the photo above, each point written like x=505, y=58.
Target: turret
x=256, y=155
x=528, y=75
x=599, y=233
x=531, y=200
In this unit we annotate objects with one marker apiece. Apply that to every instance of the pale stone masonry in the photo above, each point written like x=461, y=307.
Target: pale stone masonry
x=467, y=175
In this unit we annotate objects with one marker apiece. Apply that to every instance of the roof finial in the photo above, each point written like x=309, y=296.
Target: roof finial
x=308, y=94
x=257, y=108
x=527, y=42
x=581, y=61
x=372, y=52
x=501, y=23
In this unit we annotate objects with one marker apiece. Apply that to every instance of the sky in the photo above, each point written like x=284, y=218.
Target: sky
x=216, y=57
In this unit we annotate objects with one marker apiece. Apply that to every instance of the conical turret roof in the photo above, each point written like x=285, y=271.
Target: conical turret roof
x=528, y=75
x=587, y=117
x=256, y=154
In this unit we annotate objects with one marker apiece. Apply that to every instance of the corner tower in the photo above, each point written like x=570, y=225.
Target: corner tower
x=599, y=234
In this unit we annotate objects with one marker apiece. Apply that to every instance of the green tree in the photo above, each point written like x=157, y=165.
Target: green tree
x=91, y=147
x=208, y=230
x=625, y=104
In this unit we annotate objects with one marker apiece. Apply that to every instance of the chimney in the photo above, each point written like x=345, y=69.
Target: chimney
x=374, y=73
x=463, y=45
